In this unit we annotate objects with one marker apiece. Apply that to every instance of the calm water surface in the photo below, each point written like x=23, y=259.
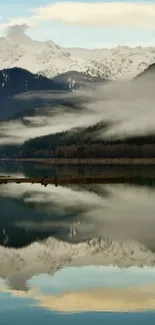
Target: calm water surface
x=77, y=254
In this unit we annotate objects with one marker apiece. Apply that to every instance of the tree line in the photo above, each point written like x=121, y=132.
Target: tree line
x=82, y=144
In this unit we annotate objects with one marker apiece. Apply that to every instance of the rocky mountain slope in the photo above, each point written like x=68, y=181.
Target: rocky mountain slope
x=49, y=59
x=75, y=80
x=21, y=90
x=147, y=74
x=117, y=63
x=17, y=80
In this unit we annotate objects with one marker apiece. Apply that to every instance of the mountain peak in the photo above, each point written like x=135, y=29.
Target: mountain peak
x=17, y=33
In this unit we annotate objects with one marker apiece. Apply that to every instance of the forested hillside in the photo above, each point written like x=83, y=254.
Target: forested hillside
x=84, y=144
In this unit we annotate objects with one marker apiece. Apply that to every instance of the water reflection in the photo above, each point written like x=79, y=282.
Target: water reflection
x=89, y=289
x=76, y=214
x=77, y=253
x=143, y=173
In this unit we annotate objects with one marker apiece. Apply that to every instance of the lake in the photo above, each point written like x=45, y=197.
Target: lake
x=77, y=253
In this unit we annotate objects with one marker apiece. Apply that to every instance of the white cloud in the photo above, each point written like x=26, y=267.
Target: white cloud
x=92, y=14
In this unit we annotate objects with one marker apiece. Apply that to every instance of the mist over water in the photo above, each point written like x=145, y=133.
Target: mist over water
x=127, y=106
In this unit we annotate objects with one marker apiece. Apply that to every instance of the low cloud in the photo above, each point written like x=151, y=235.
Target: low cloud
x=128, y=106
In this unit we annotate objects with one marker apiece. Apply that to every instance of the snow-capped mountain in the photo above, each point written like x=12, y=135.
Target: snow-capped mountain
x=49, y=59
x=19, y=50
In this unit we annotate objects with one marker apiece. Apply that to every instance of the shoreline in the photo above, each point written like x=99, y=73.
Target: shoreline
x=68, y=180
x=91, y=161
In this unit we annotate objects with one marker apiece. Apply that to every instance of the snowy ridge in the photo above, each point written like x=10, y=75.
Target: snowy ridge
x=10, y=53
x=121, y=63
x=49, y=59
x=34, y=56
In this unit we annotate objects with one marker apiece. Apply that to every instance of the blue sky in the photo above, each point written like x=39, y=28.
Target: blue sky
x=80, y=34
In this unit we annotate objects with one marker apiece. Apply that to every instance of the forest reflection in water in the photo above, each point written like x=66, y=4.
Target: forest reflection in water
x=77, y=249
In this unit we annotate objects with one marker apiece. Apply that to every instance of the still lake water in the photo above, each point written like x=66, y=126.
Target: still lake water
x=77, y=254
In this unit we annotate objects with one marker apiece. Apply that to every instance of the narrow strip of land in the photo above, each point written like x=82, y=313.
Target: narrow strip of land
x=103, y=179
x=84, y=161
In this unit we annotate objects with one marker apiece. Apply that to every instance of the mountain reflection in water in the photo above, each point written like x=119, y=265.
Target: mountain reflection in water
x=77, y=253
x=78, y=213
